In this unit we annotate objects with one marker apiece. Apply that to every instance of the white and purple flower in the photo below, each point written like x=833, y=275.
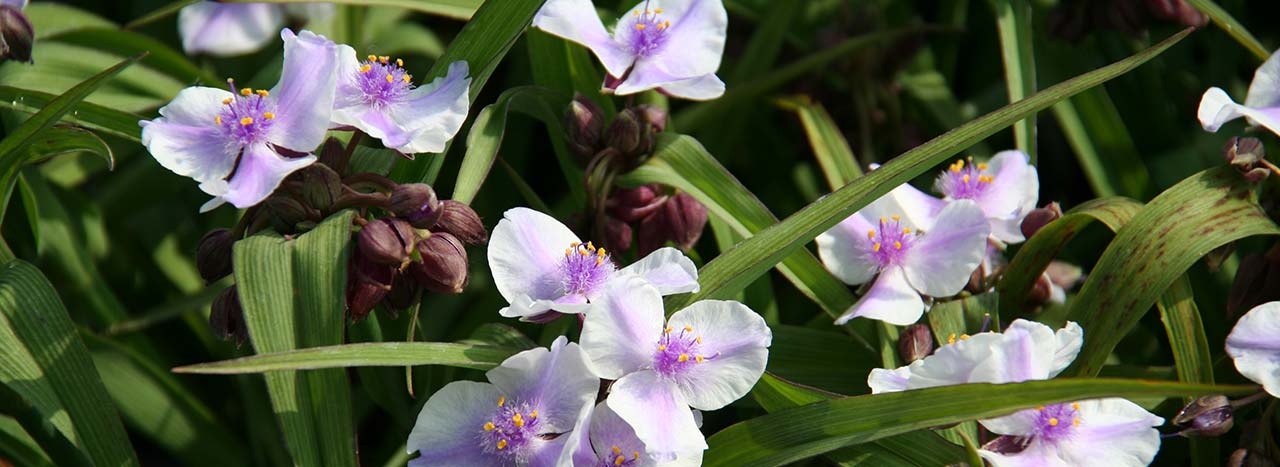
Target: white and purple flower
x=602, y=438
x=1112, y=432
x=1007, y=188
x=225, y=29
x=881, y=242
x=1254, y=344
x=524, y=416
x=706, y=356
x=378, y=97
x=674, y=46
x=1261, y=105
x=239, y=145
x=540, y=266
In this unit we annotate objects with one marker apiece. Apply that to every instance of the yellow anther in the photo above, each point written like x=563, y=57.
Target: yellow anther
x=960, y=163
x=502, y=444
x=698, y=359
x=683, y=358
x=1075, y=422
x=263, y=92
x=601, y=252
x=896, y=217
x=657, y=10
x=406, y=78
x=574, y=245
x=662, y=347
x=982, y=166
x=688, y=329
x=568, y=252
x=952, y=338
x=616, y=450
x=246, y=92
x=489, y=426
x=871, y=234
x=1053, y=422
x=876, y=247
x=502, y=401
x=1075, y=406
x=1040, y=408
x=966, y=178
x=662, y=26
x=883, y=219
x=517, y=420
x=227, y=101
x=666, y=24
x=365, y=68
x=698, y=339
x=635, y=13
x=667, y=330
x=268, y=115
x=383, y=59
x=533, y=414
x=897, y=245
x=599, y=260
x=392, y=79
x=400, y=63
x=246, y=121
x=372, y=57
x=217, y=119
x=635, y=455
x=639, y=27
x=591, y=246
x=619, y=460
x=584, y=252
x=964, y=337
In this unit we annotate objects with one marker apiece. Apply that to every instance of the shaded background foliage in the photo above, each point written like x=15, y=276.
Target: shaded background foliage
x=119, y=244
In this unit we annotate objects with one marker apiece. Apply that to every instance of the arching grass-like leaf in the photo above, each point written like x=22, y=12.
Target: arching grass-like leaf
x=479, y=357
x=484, y=139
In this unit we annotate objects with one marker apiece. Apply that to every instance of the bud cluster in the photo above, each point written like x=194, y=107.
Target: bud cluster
x=654, y=217
x=632, y=134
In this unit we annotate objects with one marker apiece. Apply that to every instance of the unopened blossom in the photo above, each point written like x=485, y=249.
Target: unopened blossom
x=539, y=265
x=522, y=416
x=225, y=29
x=881, y=244
x=674, y=46
x=1254, y=344
x=229, y=140
x=1007, y=188
x=706, y=356
x=1261, y=105
x=1026, y=351
x=1111, y=432
x=16, y=32
x=602, y=438
x=378, y=97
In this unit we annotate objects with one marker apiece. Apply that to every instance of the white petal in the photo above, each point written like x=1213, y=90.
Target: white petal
x=434, y=112
x=695, y=41
x=658, y=413
x=525, y=252
x=1113, y=432
x=1254, y=344
x=577, y=21
x=736, y=341
x=304, y=94
x=227, y=29
x=441, y=433
x=578, y=450
x=667, y=269
x=185, y=139
x=918, y=207
x=1026, y=351
x=846, y=251
x=557, y=382
x=953, y=363
x=260, y=171
x=890, y=299
x=1264, y=90
x=1217, y=108
x=1013, y=180
x=1069, y=340
x=1020, y=423
x=941, y=260
x=1037, y=454
x=705, y=87
x=881, y=380
x=621, y=333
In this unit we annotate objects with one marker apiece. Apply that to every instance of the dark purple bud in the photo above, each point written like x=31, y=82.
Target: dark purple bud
x=213, y=255
x=317, y=185
x=1205, y=416
x=583, y=125
x=331, y=153
x=403, y=292
x=655, y=116
x=367, y=284
x=444, y=264
x=632, y=135
x=387, y=241
x=914, y=343
x=460, y=220
x=285, y=213
x=633, y=204
x=1038, y=218
x=688, y=219
x=617, y=235
x=16, y=34
x=1246, y=155
x=416, y=203
x=226, y=317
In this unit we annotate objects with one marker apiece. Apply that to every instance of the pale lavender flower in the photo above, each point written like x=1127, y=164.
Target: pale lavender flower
x=523, y=416
x=1006, y=188
x=706, y=356
x=1254, y=345
x=880, y=242
x=1261, y=105
x=239, y=145
x=1112, y=432
x=225, y=29
x=539, y=265
x=378, y=97
x=602, y=438
x=674, y=46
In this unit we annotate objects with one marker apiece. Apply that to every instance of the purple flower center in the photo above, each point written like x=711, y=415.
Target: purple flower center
x=585, y=268
x=511, y=430
x=677, y=351
x=1056, y=422
x=383, y=81
x=615, y=457
x=245, y=118
x=964, y=181
x=890, y=241
x=645, y=32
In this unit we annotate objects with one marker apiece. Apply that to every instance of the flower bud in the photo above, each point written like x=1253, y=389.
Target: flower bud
x=655, y=116
x=403, y=292
x=331, y=153
x=226, y=317
x=617, y=235
x=416, y=203
x=16, y=34
x=460, y=220
x=367, y=284
x=318, y=185
x=914, y=343
x=1038, y=218
x=583, y=124
x=444, y=264
x=387, y=241
x=632, y=135
x=1245, y=154
x=679, y=221
x=285, y=213
x=633, y=204
x=213, y=256
x=1205, y=416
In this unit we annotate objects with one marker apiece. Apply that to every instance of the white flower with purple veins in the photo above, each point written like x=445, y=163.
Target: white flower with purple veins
x=378, y=97
x=1261, y=105
x=1254, y=344
x=881, y=243
x=706, y=356
x=1111, y=432
x=239, y=145
x=674, y=46
x=604, y=439
x=1007, y=188
x=225, y=29
x=1026, y=351
x=522, y=417
x=540, y=266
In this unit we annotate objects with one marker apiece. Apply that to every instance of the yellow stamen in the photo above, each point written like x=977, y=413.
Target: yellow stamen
x=392, y=79
x=871, y=234
x=601, y=252
x=502, y=444
x=489, y=426
x=1075, y=422
x=599, y=260
x=268, y=115
x=227, y=101
x=1075, y=406
x=667, y=330
x=982, y=166
x=263, y=92
x=584, y=252
x=568, y=251
x=1053, y=422
x=502, y=401
x=616, y=450
x=383, y=59
x=635, y=455
x=698, y=339
x=533, y=414
x=406, y=78
x=372, y=57
x=1040, y=408
x=966, y=178
x=666, y=24
x=217, y=119
x=662, y=347
x=698, y=358
x=952, y=338
x=246, y=92
x=960, y=163
x=964, y=337
x=517, y=420
x=657, y=10
x=897, y=245
x=639, y=27
x=246, y=121
x=591, y=246
x=619, y=460
x=896, y=217
x=683, y=358
x=574, y=245
x=688, y=329
x=635, y=13
x=400, y=63
x=365, y=68
x=876, y=247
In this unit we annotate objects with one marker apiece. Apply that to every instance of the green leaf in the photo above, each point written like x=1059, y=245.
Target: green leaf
x=1191, y=354
x=1233, y=28
x=793, y=434
x=456, y=9
x=1153, y=249
x=47, y=364
x=293, y=295
x=839, y=165
x=1039, y=250
x=484, y=139
x=160, y=56
x=50, y=19
x=60, y=66
x=480, y=357
x=733, y=270
x=1013, y=21
x=92, y=116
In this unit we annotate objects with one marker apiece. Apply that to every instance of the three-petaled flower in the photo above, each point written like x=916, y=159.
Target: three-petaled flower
x=671, y=45
x=602, y=438
x=1006, y=188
